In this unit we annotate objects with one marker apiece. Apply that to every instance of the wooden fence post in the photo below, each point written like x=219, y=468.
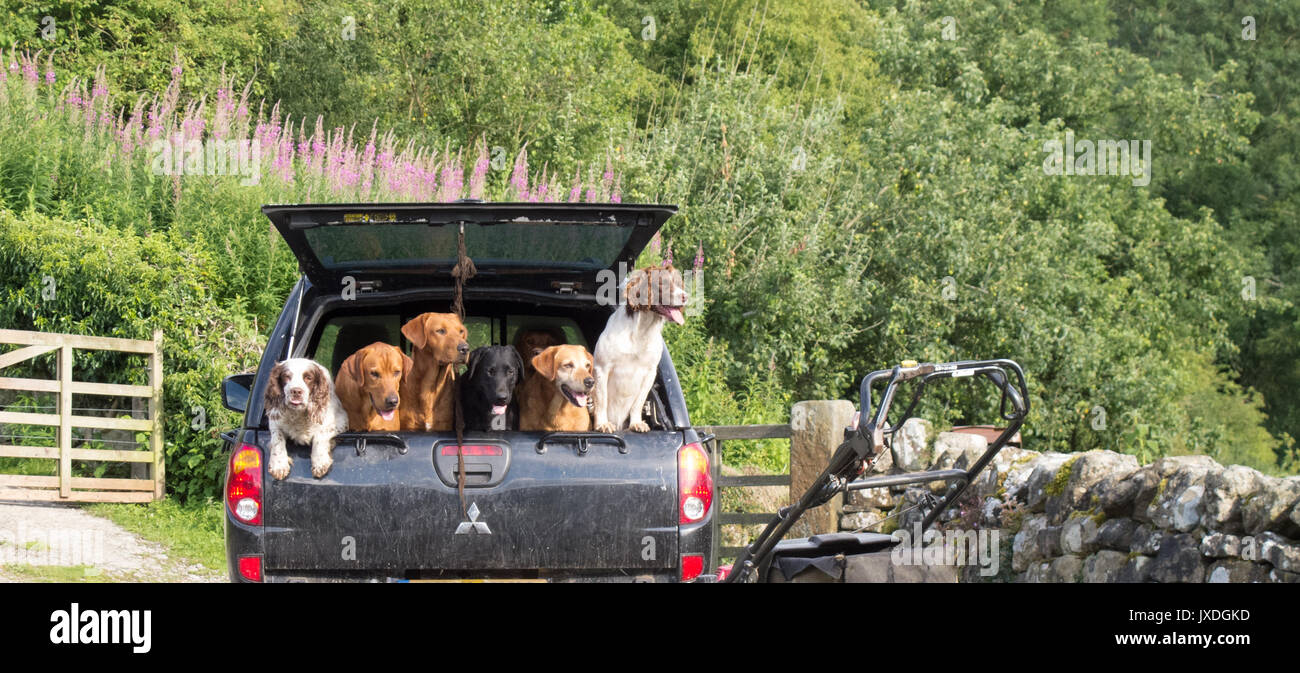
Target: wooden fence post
x=65, y=421
x=817, y=429
x=156, y=414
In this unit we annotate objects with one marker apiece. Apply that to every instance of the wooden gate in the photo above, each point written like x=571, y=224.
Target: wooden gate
x=65, y=486
x=724, y=433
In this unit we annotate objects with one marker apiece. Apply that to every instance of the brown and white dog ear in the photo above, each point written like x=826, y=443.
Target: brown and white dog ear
x=414, y=331
x=638, y=290
x=544, y=363
x=274, y=396
x=320, y=393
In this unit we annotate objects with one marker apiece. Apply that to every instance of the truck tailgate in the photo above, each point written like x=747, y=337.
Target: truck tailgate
x=558, y=509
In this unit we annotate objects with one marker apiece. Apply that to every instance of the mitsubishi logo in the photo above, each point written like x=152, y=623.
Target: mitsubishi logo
x=473, y=523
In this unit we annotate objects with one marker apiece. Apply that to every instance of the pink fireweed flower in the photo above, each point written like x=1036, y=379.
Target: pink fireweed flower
x=655, y=244
x=49, y=77
x=606, y=180
x=575, y=192
x=617, y=195
x=539, y=192
x=318, y=139
x=519, y=176
x=457, y=182
x=699, y=257
x=668, y=252
x=478, y=178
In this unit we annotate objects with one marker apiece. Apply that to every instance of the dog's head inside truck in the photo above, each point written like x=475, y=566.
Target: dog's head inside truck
x=536, y=506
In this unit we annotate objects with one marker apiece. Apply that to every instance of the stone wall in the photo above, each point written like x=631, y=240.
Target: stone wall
x=1100, y=516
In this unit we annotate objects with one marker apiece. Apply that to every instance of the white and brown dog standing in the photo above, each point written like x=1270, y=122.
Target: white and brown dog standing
x=627, y=354
x=301, y=405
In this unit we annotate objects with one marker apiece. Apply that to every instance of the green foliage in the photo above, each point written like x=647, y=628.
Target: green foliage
x=140, y=40
x=551, y=74
x=1251, y=49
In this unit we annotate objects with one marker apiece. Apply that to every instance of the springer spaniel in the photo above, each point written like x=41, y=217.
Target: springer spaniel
x=628, y=351
x=301, y=405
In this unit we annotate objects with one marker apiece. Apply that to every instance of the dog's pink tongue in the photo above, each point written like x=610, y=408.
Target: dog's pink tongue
x=581, y=399
x=498, y=409
x=387, y=415
x=675, y=315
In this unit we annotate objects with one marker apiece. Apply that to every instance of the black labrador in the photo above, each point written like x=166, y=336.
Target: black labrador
x=487, y=390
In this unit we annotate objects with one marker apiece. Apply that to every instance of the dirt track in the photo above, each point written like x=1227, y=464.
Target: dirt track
x=84, y=547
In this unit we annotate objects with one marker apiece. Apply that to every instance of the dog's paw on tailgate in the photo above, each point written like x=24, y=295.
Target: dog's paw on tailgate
x=279, y=466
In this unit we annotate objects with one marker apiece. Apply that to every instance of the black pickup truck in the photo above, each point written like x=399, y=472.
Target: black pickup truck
x=553, y=507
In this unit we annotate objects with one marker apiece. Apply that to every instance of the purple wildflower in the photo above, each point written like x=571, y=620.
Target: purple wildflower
x=477, y=179
x=519, y=176
x=606, y=180
x=576, y=191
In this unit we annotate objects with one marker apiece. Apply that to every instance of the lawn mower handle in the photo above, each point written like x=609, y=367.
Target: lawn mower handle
x=866, y=441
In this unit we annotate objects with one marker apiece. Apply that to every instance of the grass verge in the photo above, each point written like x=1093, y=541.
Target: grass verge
x=192, y=531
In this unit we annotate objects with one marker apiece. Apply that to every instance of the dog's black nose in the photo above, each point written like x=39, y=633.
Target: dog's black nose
x=589, y=382
x=391, y=401
x=463, y=348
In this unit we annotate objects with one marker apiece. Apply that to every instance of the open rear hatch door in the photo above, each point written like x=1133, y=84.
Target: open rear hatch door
x=395, y=246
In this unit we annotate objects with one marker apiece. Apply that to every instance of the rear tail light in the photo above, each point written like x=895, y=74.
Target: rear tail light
x=694, y=484
x=250, y=568
x=244, y=486
x=692, y=566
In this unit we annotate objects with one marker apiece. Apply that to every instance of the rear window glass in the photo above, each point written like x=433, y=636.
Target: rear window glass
x=514, y=323
x=344, y=335
x=584, y=246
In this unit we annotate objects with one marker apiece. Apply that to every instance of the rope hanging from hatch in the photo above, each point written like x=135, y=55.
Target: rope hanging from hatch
x=463, y=271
